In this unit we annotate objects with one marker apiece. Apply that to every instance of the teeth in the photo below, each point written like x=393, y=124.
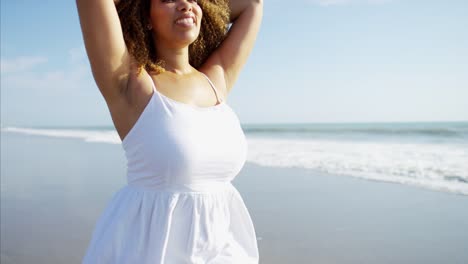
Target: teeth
x=185, y=21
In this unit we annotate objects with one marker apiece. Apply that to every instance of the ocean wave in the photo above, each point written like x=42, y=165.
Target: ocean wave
x=457, y=132
x=432, y=166
x=442, y=167
x=102, y=136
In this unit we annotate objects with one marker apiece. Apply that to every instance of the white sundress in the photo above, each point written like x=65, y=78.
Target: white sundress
x=179, y=205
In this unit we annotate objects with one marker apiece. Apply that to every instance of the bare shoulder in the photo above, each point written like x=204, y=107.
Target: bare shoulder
x=139, y=85
x=216, y=75
x=127, y=108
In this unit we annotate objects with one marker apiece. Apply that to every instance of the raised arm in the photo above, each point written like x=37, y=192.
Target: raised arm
x=232, y=54
x=105, y=45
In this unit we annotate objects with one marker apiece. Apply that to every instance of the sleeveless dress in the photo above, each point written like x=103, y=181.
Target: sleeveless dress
x=178, y=205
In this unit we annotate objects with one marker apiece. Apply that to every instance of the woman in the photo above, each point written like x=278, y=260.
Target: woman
x=165, y=68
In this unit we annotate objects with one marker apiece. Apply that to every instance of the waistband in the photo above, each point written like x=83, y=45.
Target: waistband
x=205, y=187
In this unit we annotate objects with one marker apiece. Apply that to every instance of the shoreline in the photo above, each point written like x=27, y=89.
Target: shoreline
x=300, y=215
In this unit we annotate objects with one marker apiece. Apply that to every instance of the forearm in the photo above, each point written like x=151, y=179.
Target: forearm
x=238, y=6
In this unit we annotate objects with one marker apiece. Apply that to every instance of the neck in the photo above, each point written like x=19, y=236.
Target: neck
x=175, y=60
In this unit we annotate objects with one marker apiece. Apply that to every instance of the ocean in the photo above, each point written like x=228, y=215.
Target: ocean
x=427, y=155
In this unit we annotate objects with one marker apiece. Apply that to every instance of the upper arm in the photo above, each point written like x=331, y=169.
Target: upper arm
x=232, y=54
x=104, y=44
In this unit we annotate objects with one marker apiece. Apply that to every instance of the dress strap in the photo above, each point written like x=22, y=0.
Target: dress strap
x=152, y=83
x=212, y=86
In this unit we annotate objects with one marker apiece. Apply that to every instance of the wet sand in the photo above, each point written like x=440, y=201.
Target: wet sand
x=53, y=190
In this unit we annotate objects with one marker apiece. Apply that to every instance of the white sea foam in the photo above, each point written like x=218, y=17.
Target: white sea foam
x=433, y=166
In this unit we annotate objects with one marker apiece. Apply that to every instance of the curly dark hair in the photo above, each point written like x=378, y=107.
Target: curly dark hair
x=134, y=16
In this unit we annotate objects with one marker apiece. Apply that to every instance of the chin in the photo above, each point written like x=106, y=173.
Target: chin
x=186, y=39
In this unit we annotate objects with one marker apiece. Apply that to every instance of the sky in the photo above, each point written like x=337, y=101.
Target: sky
x=315, y=61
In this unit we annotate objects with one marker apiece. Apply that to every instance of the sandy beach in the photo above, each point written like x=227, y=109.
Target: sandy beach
x=53, y=190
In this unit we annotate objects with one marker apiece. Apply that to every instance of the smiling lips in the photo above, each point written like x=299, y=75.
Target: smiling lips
x=186, y=21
